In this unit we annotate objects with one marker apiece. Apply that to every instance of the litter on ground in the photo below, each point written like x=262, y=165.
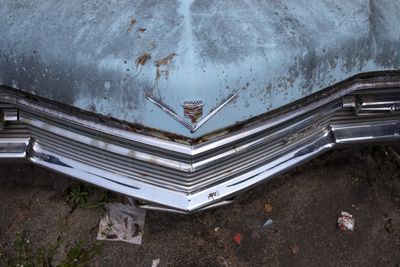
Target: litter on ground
x=237, y=238
x=122, y=222
x=155, y=263
x=267, y=224
x=346, y=221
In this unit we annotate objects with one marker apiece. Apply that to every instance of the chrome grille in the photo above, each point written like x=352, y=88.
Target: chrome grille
x=275, y=143
x=189, y=177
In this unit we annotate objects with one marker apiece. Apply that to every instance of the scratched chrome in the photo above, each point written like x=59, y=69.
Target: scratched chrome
x=187, y=182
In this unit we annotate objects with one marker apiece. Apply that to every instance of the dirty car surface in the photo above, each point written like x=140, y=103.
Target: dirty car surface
x=183, y=104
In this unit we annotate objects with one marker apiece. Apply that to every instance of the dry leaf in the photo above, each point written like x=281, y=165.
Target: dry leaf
x=267, y=207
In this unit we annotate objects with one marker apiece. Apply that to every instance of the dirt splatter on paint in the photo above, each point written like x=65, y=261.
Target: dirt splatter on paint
x=142, y=59
x=163, y=62
x=131, y=24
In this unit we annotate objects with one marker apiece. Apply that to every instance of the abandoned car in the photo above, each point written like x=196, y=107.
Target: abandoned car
x=182, y=104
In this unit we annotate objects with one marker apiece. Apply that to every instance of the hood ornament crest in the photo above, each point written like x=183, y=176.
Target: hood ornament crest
x=193, y=110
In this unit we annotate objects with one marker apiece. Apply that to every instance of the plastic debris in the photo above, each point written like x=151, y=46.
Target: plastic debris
x=267, y=224
x=346, y=221
x=122, y=222
x=268, y=207
x=237, y=238
x=155, y=263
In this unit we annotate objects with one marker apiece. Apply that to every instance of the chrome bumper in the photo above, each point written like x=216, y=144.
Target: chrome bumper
x=190, y=175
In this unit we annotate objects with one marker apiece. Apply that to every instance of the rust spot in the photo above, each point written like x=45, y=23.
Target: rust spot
x=163, y=62
x=141, y=60
x=142, y=30
x=131, y=24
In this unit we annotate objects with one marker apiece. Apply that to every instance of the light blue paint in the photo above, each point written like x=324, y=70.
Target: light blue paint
x=270, y=53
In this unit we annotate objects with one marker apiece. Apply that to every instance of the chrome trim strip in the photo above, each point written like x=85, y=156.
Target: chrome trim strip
x=13, y=148
x=215, y=111
x=191, y=126
x=370, y=105
x=170, y=112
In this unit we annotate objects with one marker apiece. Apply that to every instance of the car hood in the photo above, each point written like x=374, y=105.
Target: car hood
x=112, y=57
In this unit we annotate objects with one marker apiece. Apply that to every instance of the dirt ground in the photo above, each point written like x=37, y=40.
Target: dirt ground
x=47, y=219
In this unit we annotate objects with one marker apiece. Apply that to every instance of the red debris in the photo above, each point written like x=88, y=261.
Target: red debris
x=237, y=238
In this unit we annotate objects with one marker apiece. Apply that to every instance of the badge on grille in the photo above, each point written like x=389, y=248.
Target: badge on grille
x=193, y=110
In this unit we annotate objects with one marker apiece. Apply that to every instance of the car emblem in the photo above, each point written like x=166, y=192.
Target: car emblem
x=192, y=110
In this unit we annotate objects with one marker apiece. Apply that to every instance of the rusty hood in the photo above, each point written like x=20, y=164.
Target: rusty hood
x=109, y=57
